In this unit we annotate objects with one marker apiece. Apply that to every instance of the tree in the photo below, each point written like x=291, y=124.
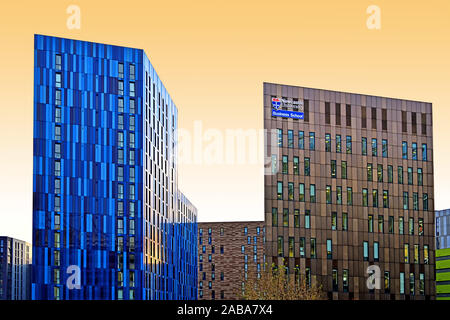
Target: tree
x=277, y=284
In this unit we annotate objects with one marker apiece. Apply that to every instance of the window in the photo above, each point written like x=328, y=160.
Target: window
x=365, y=201
x=416, y=253
x=306, y=110
x=296, y=218
x=380, y=172
x=120, y=69
x=57, y=167
x=58, y=98
x=391, y=224
x=411, y=226
x=335, y=279
x=422, y=283
x=404, y=150
x=405, y=200
x=402, y=283
x=385, y=199
x=349, y=144
x=424, y=123
x=348, y=115
x=375, y=251
x=414, y=150
x=312, y=141
x=120, y=122
x=349, y=196
x=120, y=104
x=425, y=254
x=327, y=142
x=345, y=280
x=296, y=166
x=338, y=113
x=384, y=148
x=380, y=224
x=344, y=170
x=412, y=284
x=419, y=177
x=290, y=139
x=284, y=167
x=57, y=150
x=400, y=225
x=313, y=248
x=312, y=193
x=120, y=139
x=338, y=143
x=132, y=142
x=285, y=217
x=280, y=190
x=334, y=221
x=415, y=201
x=302, y=247
x=364, y=146
x=132, y=123
x=307, y=170
x=274, y=164
x=327, y=113
x=374, y=147
x=58, y=114
x=370, y=223
x=120, y=87
x=375, y=198
x=338, y=195
x=291, y=247
x=57, y=185
x=58, y=62
x=374, y=118
x=132, y=106
x=363, y=117
x=384, y=119
x=420, y=226
x=57, y=132
x=400, y=175
x=328, y=194
x=280, y=246
x=366, y=250
x=410, y=176
x=424, y=152
x=369, y=172
x=390, y=174
x=301, y=140
x=344, y=221
x=301, y=188
x=425, y=201
x=132, y=89
x=280, y=137
x=307, y=220
x=387, y=282
x=406, y=252
x=414, y=122
x=333, y=168
x=132, y=72
x=404, y=127
x=58, y=80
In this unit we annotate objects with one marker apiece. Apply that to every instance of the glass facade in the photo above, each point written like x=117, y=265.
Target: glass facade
x=105, y=186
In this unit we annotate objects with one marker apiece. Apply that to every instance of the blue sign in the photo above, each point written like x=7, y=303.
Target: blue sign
x=287, y=114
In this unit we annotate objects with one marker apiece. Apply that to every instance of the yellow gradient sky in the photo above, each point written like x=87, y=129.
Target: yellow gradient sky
x=213, y=57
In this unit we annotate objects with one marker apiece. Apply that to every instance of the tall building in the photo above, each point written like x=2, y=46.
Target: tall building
x=350, y=186
x=442, y=229
x=227, y=253
x=107, y=213
x=15, y=269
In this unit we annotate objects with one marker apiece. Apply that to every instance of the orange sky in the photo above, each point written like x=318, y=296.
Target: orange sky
x=213, y=57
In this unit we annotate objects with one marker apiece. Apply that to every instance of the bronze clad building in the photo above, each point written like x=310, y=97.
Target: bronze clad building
x=351, y=186
x=227, y=252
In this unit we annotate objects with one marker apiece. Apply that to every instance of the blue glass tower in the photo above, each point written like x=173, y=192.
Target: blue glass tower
x=105, y=180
